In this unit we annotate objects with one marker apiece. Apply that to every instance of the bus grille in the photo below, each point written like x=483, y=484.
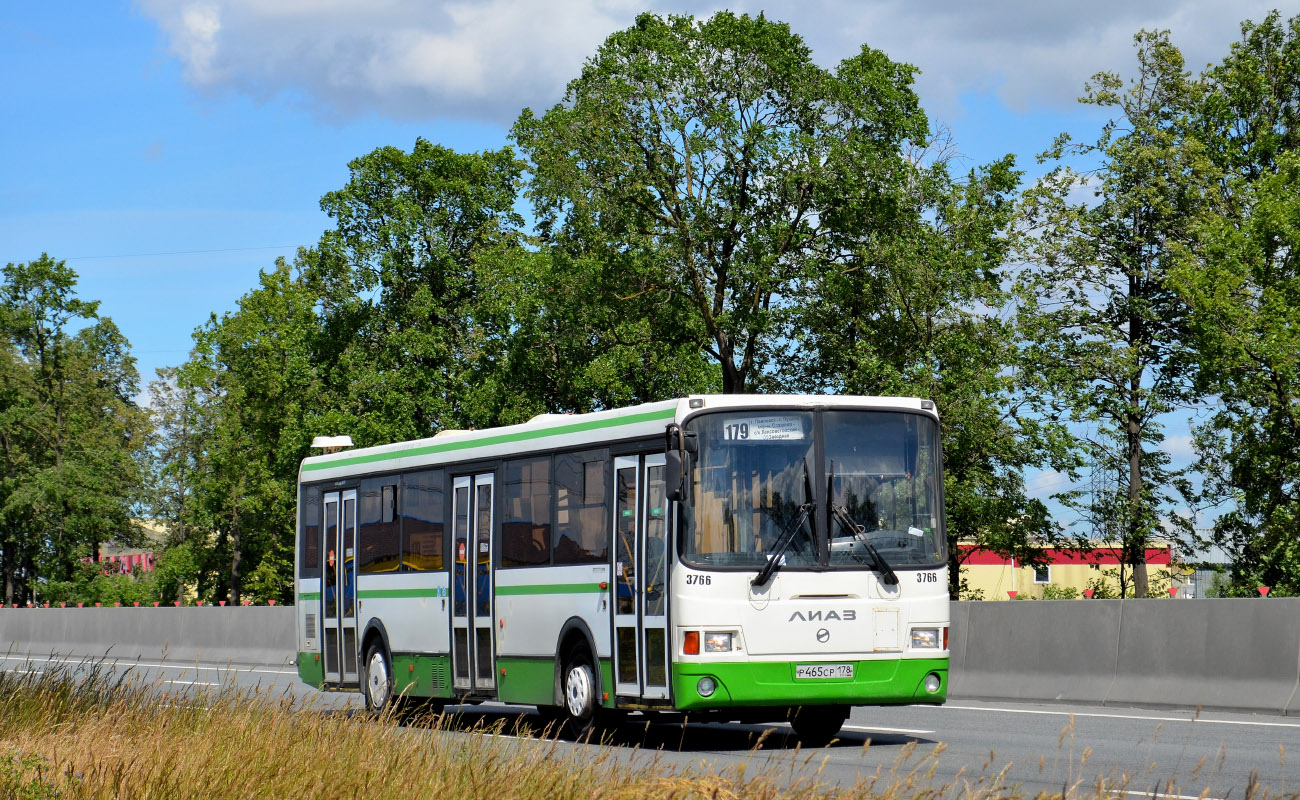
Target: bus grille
x=441, y=678
x=311, y=626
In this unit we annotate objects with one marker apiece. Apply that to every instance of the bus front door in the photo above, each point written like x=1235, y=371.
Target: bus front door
x=339, y=598
x=640, y=557
x=472, y=639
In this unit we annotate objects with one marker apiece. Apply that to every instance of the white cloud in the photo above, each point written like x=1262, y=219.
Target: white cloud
x=422, y=59
x=1047, y=482
x=1179, y=447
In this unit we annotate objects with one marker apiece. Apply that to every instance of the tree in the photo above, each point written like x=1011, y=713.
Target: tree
x=1105, y=322
x=922, y=311
x=399, y=279
x=697, y=171
x=1240, y=276
x=234, y=423
x=72, y=436
x=262, y=357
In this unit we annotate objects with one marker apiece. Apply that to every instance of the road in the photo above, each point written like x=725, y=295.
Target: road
x=1171, y=753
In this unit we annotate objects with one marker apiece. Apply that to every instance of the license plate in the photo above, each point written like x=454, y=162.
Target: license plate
x=823, y=671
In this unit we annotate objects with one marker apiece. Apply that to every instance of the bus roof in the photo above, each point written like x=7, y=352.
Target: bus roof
x=557, y=431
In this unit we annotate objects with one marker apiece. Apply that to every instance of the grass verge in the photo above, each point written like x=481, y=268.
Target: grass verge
x=88, y=732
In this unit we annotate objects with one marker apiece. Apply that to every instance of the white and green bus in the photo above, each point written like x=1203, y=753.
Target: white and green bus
x=734, y=557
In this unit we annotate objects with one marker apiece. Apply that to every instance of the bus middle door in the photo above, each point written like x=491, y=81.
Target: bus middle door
x=640, y=556
x=472, y=637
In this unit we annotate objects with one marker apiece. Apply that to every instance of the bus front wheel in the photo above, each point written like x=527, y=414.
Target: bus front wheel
x=817, y=726
x=377, y=681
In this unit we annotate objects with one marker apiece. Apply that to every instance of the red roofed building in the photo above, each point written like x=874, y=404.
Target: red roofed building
x=990, y=576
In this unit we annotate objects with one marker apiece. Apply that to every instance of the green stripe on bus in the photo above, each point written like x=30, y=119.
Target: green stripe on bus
x=309, y=596
x=372, y=594
x=550, y=588
x=503, y=438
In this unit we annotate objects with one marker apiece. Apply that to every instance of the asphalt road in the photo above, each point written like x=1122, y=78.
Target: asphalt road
x=1162, y=753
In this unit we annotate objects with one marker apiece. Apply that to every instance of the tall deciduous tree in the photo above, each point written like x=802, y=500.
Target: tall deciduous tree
x=1107, y=324
x=922, y=311
x=1240, y=276
x=697, y=171
x=399, y=277
x=71, y=435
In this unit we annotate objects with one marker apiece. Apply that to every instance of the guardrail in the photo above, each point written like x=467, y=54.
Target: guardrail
x=1222, y=654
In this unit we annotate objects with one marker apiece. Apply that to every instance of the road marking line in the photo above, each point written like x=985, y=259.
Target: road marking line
x=878, y=729
x=192, y=683
x=1158, y=795
x=1200, y=720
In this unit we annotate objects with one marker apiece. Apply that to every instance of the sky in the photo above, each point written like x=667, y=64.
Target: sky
x=169, y=150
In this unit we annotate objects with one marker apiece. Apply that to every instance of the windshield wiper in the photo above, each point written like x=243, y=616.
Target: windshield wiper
x=860, y=534
x=783, y=541
x=841, y=514
x=777, y=554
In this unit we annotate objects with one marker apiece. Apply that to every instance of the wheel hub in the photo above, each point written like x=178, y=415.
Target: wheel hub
x=578, y=691
x=377, y=680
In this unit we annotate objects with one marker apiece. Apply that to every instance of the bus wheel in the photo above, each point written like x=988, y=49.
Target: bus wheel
x=377, y=681
x=581, y=706
x=816, y=726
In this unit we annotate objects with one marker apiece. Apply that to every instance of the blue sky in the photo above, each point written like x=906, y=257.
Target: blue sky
x=170, y=149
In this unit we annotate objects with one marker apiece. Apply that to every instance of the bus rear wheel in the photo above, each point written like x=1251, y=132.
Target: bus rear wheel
x=817, y=726
x=581, y=703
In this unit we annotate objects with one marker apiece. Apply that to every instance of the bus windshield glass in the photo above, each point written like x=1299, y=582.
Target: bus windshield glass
x=882, y=469
x=756, y=469
x=751, y=478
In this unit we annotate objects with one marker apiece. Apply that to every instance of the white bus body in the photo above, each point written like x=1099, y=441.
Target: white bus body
x=802, y=571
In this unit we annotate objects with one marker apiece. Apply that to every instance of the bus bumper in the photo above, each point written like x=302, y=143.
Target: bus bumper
x=773, y=683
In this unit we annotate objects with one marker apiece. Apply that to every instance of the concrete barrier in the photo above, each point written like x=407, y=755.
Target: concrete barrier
x=1239, y=655
x=1214, y=653
x=1218, y=654
x=240, y=636
x=1059, y=650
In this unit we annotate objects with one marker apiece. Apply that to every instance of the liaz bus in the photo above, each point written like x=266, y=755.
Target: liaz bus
x=733, y=557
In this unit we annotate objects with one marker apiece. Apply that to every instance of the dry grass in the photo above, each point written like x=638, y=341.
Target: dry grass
x=88, y=734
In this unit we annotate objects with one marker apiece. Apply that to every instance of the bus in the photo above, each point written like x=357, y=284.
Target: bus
x=729, y=557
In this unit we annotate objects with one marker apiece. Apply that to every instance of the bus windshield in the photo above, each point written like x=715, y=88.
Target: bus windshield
x=756, y=469
x=752, y=475
x=882, y=469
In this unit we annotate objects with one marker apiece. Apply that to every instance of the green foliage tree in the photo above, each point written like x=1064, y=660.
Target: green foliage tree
x=71, y=434
x=406, y=340
x=1104, y=322
x=233, y=423
x=922, y=311
x=1240, y=276
x=698, y=170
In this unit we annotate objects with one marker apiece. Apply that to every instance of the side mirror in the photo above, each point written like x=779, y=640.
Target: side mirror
x=677, y=460
x=674, y=475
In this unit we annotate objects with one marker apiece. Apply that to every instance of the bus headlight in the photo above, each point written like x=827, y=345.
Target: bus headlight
x=717, y=643
x=932, y=683
x=925, y=638
x=707, y=686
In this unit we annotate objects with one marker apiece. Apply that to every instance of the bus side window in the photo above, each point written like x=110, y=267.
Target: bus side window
x=581, y=513
x=423, y=515
x=377, y=535
x=526, y=525
x=309, y=538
